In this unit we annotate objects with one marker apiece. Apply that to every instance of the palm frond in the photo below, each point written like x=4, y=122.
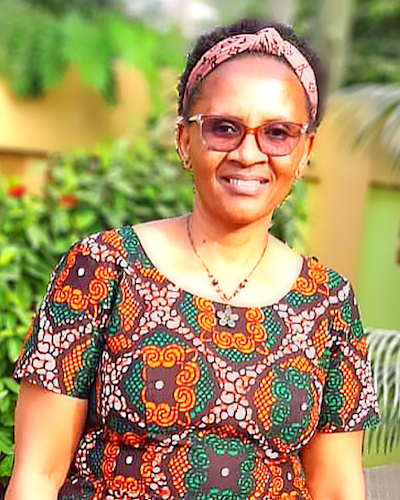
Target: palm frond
x=374, y=113
x=384, y=350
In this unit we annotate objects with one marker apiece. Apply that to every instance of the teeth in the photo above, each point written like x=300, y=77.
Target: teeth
x=243, y=183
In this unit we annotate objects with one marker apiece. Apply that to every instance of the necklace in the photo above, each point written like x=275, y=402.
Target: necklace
x=214, y=280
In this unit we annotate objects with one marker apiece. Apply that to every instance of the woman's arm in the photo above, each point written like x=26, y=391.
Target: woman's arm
x=47, y=430
x=333, y=466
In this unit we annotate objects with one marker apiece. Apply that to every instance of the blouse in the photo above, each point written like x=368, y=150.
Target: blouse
x=188, y=398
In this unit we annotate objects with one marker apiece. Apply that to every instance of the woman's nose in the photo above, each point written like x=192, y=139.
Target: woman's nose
x=248, y=151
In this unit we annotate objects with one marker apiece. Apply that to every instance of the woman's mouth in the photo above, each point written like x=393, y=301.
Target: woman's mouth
x=248, y=187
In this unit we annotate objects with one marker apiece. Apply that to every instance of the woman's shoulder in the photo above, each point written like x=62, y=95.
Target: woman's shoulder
x=109, y=245
x=320, y=280
x=319, y=271
x=159, y=229
x=120, y=247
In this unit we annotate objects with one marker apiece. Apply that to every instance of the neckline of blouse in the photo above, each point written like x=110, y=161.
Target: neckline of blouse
x=220, y=304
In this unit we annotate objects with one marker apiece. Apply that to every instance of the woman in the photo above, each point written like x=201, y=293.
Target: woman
x=200, y=357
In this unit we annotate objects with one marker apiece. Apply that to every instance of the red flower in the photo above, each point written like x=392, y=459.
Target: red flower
x=17, y=191
x=68, y=200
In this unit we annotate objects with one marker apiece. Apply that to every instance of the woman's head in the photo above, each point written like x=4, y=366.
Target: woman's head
x=270, y=39
x=247, y=126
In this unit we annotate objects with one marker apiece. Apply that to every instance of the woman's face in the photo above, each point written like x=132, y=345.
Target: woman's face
x=246, y=185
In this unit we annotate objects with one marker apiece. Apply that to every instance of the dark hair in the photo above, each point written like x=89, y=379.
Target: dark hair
x=206, y=41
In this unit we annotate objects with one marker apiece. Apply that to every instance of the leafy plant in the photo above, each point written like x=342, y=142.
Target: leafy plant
x=60, y=7
x=37, y=46
x=375, y=24
x=374, y=111
x=291, y=216
x=384, y=346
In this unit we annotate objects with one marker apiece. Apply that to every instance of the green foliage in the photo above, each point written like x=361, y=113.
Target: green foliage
x=37, y=46
x=60, y=6
x=374, y=111
x=289, y=219
x=384, y=347
x=240, y=8
x=375, y=47
x=85, y=194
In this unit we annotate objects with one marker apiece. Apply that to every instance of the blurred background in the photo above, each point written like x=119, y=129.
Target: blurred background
x=87, y=114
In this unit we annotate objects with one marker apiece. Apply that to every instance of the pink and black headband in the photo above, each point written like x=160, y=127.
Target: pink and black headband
x=267, y=40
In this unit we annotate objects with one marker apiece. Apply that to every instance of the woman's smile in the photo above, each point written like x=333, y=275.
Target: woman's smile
x=245, y=186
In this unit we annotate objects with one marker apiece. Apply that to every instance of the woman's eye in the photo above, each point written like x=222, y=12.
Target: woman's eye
x=225, y=128
x=276, y=132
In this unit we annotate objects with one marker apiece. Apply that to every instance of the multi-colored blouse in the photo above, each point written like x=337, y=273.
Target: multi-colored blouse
x=188, y=398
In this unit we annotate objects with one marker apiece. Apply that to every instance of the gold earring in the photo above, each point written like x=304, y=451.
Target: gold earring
x=187, y=164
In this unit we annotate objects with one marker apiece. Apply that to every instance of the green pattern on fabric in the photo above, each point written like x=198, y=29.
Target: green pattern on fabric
x=235, y=356
x=196, y=480
x=189, y=312
x=296, y=299
x=272, y=327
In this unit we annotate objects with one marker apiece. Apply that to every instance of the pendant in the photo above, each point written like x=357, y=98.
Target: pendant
x=227, y=317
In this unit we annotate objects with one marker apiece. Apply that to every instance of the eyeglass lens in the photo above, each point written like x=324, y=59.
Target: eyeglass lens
x=226, y=134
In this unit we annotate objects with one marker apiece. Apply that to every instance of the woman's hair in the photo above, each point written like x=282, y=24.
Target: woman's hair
x=249, y=26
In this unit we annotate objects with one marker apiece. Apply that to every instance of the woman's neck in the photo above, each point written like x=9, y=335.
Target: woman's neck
x=224, y=244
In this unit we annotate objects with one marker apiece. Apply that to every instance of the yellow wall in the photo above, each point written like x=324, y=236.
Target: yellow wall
x=69, y=116
x=339, y=182
x=337, y=199
x=28, y=167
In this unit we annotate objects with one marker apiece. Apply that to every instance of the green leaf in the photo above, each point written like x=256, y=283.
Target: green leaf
x=14, y=348
x=11, y=384
x=6, y=443
x=6, y=465
x=7, y=254
x=89, y=48
x=384, y=349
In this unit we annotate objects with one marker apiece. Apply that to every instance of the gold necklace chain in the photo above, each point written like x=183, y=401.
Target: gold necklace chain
x=214, y=280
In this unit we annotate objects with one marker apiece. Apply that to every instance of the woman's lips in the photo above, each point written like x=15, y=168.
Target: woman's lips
x=245, y=186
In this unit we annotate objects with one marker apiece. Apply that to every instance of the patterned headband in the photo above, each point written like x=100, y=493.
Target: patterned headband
x=267, y=40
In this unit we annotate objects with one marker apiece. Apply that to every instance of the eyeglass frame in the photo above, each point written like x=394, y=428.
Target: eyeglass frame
x=305, y=127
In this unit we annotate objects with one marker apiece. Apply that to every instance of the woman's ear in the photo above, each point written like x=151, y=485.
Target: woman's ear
x=183, y=144
x=305, y=159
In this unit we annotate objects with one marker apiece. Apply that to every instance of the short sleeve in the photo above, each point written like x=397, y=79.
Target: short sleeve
x=349, y=397
x=65, y=341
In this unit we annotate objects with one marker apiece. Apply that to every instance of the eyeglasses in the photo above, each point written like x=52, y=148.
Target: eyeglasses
x=275, y=138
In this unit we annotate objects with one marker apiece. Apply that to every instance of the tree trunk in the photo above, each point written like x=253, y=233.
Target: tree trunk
x=332, y=36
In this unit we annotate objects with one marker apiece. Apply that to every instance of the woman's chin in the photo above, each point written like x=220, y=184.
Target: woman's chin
x=242, y=214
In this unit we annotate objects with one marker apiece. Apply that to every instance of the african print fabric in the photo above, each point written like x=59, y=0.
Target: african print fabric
x=188, y=398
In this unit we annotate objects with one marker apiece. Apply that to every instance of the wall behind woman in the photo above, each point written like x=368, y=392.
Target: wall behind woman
x=354, y=215
x=69, y=116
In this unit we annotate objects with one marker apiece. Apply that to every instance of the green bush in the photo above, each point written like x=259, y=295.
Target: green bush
x=85, y=193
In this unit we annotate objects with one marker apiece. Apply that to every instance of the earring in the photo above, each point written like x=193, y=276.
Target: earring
x=297, y=174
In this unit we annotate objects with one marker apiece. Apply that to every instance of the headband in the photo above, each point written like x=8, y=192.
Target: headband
x=267, y=40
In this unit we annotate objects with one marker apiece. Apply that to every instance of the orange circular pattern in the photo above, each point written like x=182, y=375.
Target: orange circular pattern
x=163, y=414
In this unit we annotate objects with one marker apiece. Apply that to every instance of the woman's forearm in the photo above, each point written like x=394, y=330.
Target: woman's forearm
x=31, y=486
